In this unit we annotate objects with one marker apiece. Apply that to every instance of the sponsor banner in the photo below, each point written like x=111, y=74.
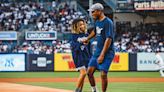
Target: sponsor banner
x=149, y=5
x=146, y=61
x=40, y=62
x=64, y=62
x=39, y=35
x=12, y=62
x=120, y=62
x=132, y=61
x=8, y=35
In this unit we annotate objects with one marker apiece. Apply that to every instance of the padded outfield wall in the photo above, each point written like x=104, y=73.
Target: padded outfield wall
x=64, y=62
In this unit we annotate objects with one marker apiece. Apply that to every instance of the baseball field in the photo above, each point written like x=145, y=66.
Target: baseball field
x=66, y=81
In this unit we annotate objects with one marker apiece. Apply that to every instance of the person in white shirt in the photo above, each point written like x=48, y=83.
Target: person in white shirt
x=160, y=63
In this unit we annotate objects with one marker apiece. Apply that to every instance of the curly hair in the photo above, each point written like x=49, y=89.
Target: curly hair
x=76, y=26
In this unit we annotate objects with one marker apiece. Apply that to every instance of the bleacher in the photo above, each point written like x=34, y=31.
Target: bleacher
x=57, y=16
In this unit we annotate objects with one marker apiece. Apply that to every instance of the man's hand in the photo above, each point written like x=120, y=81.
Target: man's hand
x=100, y=59
x=86, y=39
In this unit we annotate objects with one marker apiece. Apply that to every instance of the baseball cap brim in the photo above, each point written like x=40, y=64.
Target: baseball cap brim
x=90, y=10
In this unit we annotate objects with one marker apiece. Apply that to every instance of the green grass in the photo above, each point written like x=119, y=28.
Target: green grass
x=74, y=74
x=112, y=87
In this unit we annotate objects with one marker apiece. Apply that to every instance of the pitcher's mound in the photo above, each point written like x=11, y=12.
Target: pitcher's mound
x=11, y=87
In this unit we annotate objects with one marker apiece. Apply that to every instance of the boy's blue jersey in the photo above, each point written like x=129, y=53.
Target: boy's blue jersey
x=81, y=53
x=104, y=29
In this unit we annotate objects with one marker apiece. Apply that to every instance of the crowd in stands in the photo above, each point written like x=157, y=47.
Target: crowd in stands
x=49, y=16
x=43, y=47
x=133, y=41
x=142, y=38
x=7, y=46
x=57, y=16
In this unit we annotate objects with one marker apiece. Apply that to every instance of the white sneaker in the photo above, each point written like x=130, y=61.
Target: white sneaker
x=162, y=75
x=95, y=90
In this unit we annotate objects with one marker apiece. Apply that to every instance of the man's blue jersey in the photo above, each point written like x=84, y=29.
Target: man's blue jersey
x=104, y=29
x=81, y=53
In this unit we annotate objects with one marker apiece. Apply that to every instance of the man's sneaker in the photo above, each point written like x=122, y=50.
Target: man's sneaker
x=95, y=90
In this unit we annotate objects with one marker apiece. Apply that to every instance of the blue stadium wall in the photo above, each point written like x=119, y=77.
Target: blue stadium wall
x=43, y=62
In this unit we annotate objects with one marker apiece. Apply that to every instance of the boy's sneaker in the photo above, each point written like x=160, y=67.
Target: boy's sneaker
x=94, y=91
x=77, y=90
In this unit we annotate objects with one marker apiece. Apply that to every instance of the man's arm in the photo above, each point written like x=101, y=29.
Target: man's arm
x=90, y=36
x=104, y=50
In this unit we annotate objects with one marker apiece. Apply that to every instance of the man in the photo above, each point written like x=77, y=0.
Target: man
x=160, y=63
x=105, y=52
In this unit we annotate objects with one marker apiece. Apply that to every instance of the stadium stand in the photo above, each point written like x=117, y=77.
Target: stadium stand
x=47, y=17
x=57, y=16
x=142, y=38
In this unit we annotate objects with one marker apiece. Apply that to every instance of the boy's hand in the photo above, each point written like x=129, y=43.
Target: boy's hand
x=85, y=40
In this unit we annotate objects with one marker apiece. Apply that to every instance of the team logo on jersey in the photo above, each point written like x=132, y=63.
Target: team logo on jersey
x=98, y=30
